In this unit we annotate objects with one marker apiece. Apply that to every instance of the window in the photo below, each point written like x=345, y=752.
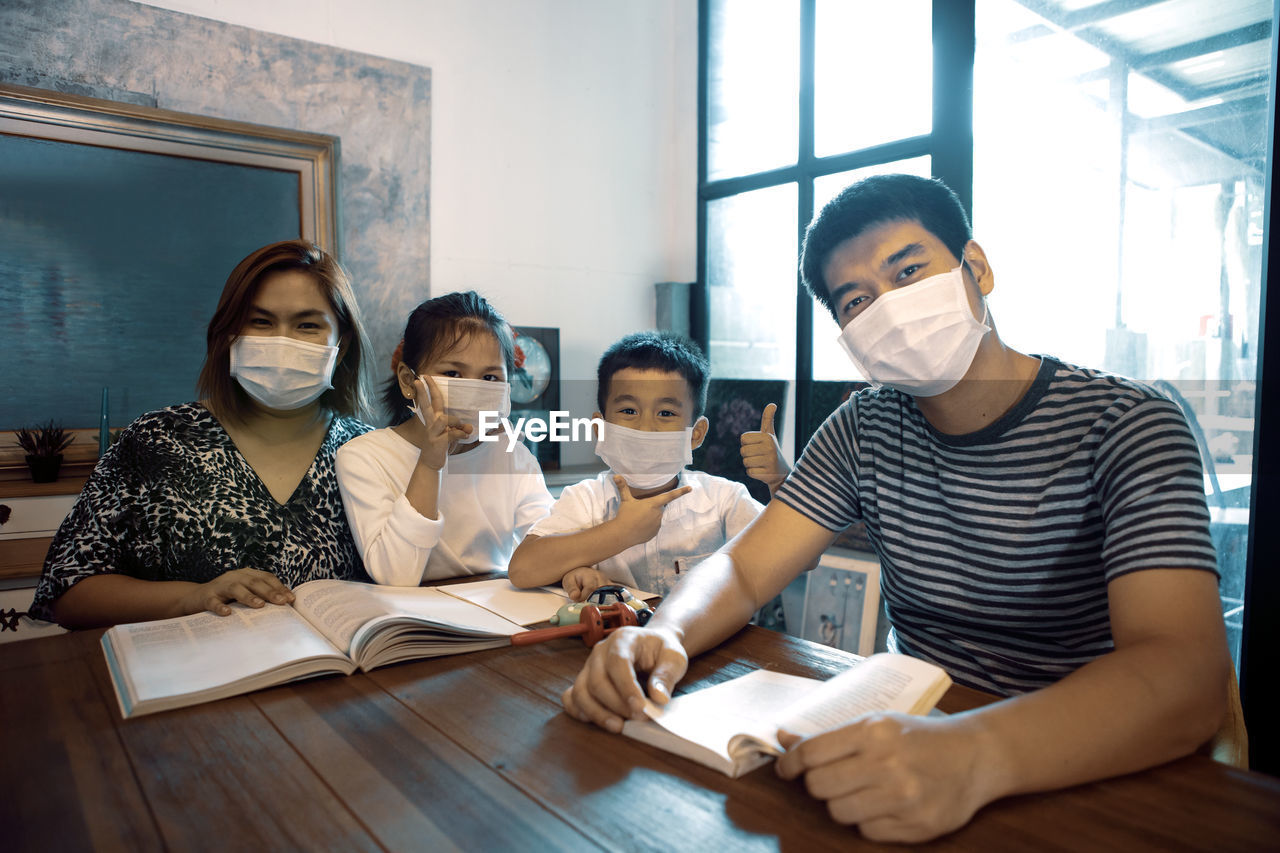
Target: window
x=1114, y=158
x=1119, y=166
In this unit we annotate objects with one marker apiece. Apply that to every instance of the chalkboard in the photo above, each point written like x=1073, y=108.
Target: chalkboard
x=116, y=236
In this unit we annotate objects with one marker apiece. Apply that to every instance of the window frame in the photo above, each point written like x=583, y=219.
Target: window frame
x=950, y=145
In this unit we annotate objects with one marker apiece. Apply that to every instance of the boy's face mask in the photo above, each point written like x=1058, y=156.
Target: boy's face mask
x=465, y=399
x=280, y=372
x=920, y=339
x=645, y=460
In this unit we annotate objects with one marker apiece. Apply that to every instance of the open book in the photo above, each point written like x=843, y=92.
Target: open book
x=732, y=727
x=332, y=627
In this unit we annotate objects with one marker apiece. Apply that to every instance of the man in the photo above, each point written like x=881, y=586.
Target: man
x=1041, y=529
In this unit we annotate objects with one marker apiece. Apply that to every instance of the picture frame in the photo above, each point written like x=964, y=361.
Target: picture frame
x=535, y=386
x=842, y=603
x=118, y=228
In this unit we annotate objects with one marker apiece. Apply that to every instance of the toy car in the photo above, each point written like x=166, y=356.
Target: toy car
x=569, y=614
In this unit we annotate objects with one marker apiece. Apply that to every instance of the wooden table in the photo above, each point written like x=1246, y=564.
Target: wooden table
x=472, y=752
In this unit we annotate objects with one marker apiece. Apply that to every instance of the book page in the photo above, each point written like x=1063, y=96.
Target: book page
x=431, y=606
x=522, y=606
x=338, y=608
x=883, y=682
x=192, y=653
x=711, y=718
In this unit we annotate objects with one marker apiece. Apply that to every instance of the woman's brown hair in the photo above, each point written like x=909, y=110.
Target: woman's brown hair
x=350, y=392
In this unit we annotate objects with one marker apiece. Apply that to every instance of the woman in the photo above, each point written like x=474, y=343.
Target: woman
x=232, y=498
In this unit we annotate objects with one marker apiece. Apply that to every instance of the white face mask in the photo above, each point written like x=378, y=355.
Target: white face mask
x=465, y=399
x=280, y=372
x=919, y=339
x=645, y=460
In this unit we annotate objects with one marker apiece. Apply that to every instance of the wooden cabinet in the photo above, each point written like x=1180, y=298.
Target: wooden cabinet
x=35, y=511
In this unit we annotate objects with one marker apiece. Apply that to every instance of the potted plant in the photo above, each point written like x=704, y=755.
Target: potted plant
x=44, y=444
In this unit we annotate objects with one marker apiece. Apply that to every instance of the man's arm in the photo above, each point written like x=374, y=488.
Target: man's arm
x=1157, y=697
x=716, y=599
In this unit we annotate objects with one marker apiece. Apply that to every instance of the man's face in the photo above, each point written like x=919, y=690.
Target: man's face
x=882, y=259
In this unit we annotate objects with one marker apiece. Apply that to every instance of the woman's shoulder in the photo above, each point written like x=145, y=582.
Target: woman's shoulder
x=170, y=423
x=344, y=428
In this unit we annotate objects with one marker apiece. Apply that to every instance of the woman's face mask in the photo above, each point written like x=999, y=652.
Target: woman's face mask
x=280, y=372
x=920, y=339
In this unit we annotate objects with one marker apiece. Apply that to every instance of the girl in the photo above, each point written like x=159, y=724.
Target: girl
x=425, y=497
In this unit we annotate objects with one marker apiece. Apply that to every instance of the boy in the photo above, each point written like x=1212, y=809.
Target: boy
x=647, y=520
x=1041, y=528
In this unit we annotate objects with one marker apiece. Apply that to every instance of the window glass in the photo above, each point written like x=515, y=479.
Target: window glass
x=1121, y=209
x=753, y=84
x=829, y=360
x=751, y=278
x=873, y=73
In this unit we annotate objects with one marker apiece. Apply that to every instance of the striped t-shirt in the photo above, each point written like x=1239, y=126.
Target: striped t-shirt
x=996, y=546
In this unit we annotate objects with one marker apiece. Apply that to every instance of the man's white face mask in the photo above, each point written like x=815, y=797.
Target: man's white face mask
x=919, y=339
x=465, y=399
x=645, y=460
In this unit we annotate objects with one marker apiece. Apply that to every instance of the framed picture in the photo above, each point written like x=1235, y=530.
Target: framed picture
x=118, y=227
x=842, y=603
x=535, y=386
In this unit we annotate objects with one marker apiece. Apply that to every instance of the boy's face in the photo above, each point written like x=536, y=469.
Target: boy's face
x=893, y=255
x=652, y=401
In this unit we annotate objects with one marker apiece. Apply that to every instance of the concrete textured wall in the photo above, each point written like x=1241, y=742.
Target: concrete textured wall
x=380, y=108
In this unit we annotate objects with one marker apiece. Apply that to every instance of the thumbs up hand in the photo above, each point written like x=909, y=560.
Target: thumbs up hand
x=761, y=455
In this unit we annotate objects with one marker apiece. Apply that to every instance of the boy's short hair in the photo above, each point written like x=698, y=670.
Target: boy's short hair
x=874, y=201
x=667, y=351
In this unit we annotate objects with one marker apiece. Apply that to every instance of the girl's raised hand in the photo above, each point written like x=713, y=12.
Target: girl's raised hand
x=440, y=432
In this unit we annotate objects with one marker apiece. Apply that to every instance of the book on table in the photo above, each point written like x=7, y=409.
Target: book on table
x=732, y=726
x=332, y=627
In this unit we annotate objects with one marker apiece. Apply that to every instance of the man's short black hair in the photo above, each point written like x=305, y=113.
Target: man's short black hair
x=874, y=201
x=667, y=351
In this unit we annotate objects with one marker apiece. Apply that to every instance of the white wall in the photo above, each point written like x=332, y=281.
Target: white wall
x=563, y=150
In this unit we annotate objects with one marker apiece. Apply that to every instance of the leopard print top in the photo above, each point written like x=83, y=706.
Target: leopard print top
x=173, y=499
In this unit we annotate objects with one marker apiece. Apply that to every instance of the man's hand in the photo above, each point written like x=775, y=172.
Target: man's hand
x=898, y=777
x=608, y=691
x=582, y=581
x=638, y=519
x=761, y=455
x=247, y=586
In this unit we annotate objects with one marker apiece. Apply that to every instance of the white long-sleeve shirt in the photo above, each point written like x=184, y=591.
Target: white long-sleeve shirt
x=489, y=498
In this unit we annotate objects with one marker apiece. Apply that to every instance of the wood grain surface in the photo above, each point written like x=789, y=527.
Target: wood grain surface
x=473, y=752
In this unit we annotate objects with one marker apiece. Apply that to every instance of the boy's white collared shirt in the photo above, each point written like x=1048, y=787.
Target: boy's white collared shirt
x=693, y=526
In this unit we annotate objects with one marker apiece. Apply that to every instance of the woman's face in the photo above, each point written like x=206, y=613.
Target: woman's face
x=290, y=303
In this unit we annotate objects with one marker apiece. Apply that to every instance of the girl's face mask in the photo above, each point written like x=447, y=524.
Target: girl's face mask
x=465, y=399
x=920, y=339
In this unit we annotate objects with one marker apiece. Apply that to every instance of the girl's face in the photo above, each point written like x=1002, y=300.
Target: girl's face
x=476, y=356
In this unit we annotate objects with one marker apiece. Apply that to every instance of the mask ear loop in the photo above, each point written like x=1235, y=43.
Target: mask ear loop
x=413, y=405
x=986, y=309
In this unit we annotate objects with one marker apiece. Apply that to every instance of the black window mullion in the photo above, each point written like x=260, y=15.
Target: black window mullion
x=954, y=43
x=804, y=212
x=700, y=299
x=1260, y=640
